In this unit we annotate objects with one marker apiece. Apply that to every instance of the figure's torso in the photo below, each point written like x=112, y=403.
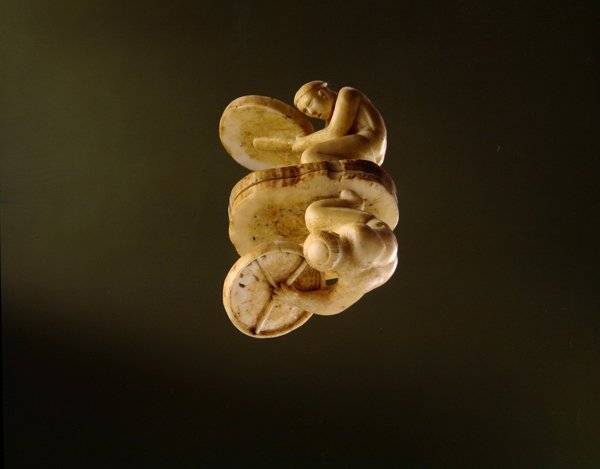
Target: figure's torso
x=370, y=125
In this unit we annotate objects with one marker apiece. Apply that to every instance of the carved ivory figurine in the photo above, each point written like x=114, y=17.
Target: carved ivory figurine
x=358, y=248
x=314, y=222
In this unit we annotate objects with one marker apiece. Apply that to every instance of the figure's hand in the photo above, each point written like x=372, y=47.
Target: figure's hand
x=286, y=295
x=299, y=145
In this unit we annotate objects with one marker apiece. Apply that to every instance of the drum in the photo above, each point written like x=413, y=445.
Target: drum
x=258, y=132
x=248, y=289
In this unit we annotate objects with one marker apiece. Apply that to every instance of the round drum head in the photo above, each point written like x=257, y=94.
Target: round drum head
x=248, y=289
x=251, y=117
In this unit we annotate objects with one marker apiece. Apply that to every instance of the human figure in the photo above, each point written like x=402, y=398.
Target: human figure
x=346, y=241
x=354, y=128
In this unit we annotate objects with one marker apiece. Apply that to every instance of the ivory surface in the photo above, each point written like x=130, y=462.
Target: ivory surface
x=314, y=222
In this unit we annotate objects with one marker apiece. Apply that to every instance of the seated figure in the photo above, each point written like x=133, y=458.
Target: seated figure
x=307, y=182
x=354, y=129
x=357, y=248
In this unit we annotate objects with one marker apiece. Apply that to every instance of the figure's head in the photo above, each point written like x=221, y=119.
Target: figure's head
x=322, y=250
x=327, y=251
x=354, y=246
x=315, y=100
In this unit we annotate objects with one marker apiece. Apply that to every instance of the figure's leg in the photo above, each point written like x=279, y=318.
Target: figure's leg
x=349, y=147
x=352, y=197
x=329, y=214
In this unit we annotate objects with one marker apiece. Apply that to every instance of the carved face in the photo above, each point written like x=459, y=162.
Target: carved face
x=318, y=104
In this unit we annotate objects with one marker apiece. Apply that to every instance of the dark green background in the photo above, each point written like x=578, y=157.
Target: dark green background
x=482, y=351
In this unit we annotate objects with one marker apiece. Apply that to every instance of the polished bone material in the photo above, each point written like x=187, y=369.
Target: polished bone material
x=314, y=222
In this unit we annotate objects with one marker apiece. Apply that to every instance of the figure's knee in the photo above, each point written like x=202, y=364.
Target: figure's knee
x=310, y=155
x=355, y=200
x=313, y=216
x=310, y=219
x=322, y=152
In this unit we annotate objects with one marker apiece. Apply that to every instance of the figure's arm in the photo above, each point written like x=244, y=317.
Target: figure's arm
x=272, y=144
x=344, y=113
x=347, y=291
x=325, y=302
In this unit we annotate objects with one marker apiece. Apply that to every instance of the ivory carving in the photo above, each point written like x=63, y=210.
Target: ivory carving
x=313, y=223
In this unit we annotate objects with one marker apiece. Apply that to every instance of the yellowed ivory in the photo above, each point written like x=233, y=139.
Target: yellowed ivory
x=248, y=293
x=267, y=120
x=313, y=223
x=269, y=205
